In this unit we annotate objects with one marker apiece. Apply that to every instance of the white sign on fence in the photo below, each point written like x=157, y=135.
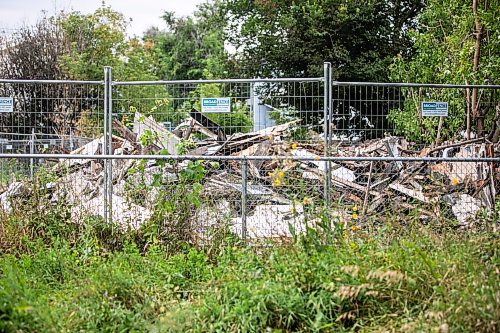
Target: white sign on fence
x=216, y=105
x=435, y=109
x=6, y=104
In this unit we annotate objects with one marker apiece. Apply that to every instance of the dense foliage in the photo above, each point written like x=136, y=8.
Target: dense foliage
x=294, y=38
x=79, y=278
x=449, y=36
x=430, y=42
x=192, y=47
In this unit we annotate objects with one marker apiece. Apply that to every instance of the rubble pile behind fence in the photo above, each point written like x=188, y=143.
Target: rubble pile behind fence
x=159, y=160
x=268, y=186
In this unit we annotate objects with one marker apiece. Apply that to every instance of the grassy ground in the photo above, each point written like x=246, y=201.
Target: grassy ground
x=56, y=277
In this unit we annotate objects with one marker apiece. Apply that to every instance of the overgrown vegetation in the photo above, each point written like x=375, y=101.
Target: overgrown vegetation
x=65, y=277
x=457, y=42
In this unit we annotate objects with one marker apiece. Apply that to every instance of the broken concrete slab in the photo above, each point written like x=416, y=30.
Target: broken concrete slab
x=77, y=186
x=14, y=190
x=159, y=135
x=126, y=215
x=272, y=221
x=464, y=207
x=92, y=148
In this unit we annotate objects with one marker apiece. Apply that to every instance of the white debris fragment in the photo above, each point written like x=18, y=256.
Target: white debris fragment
x=207, y=216
x=465, y=208
x=124, y=214
x=270, y=221
x=337, y=170
x=344, y=173
x=92, y=148
x=16, y=189
x=304, y=153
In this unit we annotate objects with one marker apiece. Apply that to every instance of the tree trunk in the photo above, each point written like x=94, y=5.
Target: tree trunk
x=478, y=32
x=495, y=131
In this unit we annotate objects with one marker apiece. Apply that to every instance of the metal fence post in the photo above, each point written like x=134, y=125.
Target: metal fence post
x=327, y=130
x=32, y=151
x=108, y=144
x=244, y=176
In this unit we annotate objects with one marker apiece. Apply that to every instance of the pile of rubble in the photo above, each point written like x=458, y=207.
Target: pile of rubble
x=279, y=193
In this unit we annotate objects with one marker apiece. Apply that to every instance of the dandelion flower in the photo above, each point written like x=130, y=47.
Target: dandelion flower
x=281, y=174
x=306, y=201
x=355, y=208
x=294, y=146
x=354, y=228
x=354, y=216
x=454, y=181
x=277, y=182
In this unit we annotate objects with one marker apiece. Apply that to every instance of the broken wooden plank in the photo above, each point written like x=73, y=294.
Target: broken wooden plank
x=418, y=195
x=124, y=131
x=259, y=149
x=160, y=136
x=427, y=151
x=208, y=124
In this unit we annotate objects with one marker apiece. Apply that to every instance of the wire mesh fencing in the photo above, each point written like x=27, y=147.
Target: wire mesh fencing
x=363, y=111
x=253, y=105
x=46, y=117
x=52, y=108
x=195, y=199
x=276, y=158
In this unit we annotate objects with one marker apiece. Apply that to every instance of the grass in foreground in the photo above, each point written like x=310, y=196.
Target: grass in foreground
x=416, y=281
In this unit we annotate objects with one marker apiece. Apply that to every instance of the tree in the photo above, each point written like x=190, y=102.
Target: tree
x=455, y=42
x=294, y=38
x=99, y=39
x=35, y=53
x=69, y=46
x=192, y=47
x=284, y=38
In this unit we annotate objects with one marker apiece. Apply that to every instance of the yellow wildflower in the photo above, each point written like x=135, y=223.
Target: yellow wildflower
x=281, y=174
x=306, y=201
x=454, y=181
x=277, y=182
x=355, y=208
x=354, y=228
x=294, y=146
x=270, y=136
x=354, y=216
x=317, y=158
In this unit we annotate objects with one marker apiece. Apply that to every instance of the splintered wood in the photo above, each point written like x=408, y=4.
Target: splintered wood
x=279, y=193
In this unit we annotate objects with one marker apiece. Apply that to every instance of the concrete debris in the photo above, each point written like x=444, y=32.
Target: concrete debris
x=208, y=216
x=274, y=187
x=465, y=208
x=272, y=221
x=15, y=190
x=92, y=148
x=126, y=215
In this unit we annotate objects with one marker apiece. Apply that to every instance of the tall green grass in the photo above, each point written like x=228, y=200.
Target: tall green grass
x=63, y=278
